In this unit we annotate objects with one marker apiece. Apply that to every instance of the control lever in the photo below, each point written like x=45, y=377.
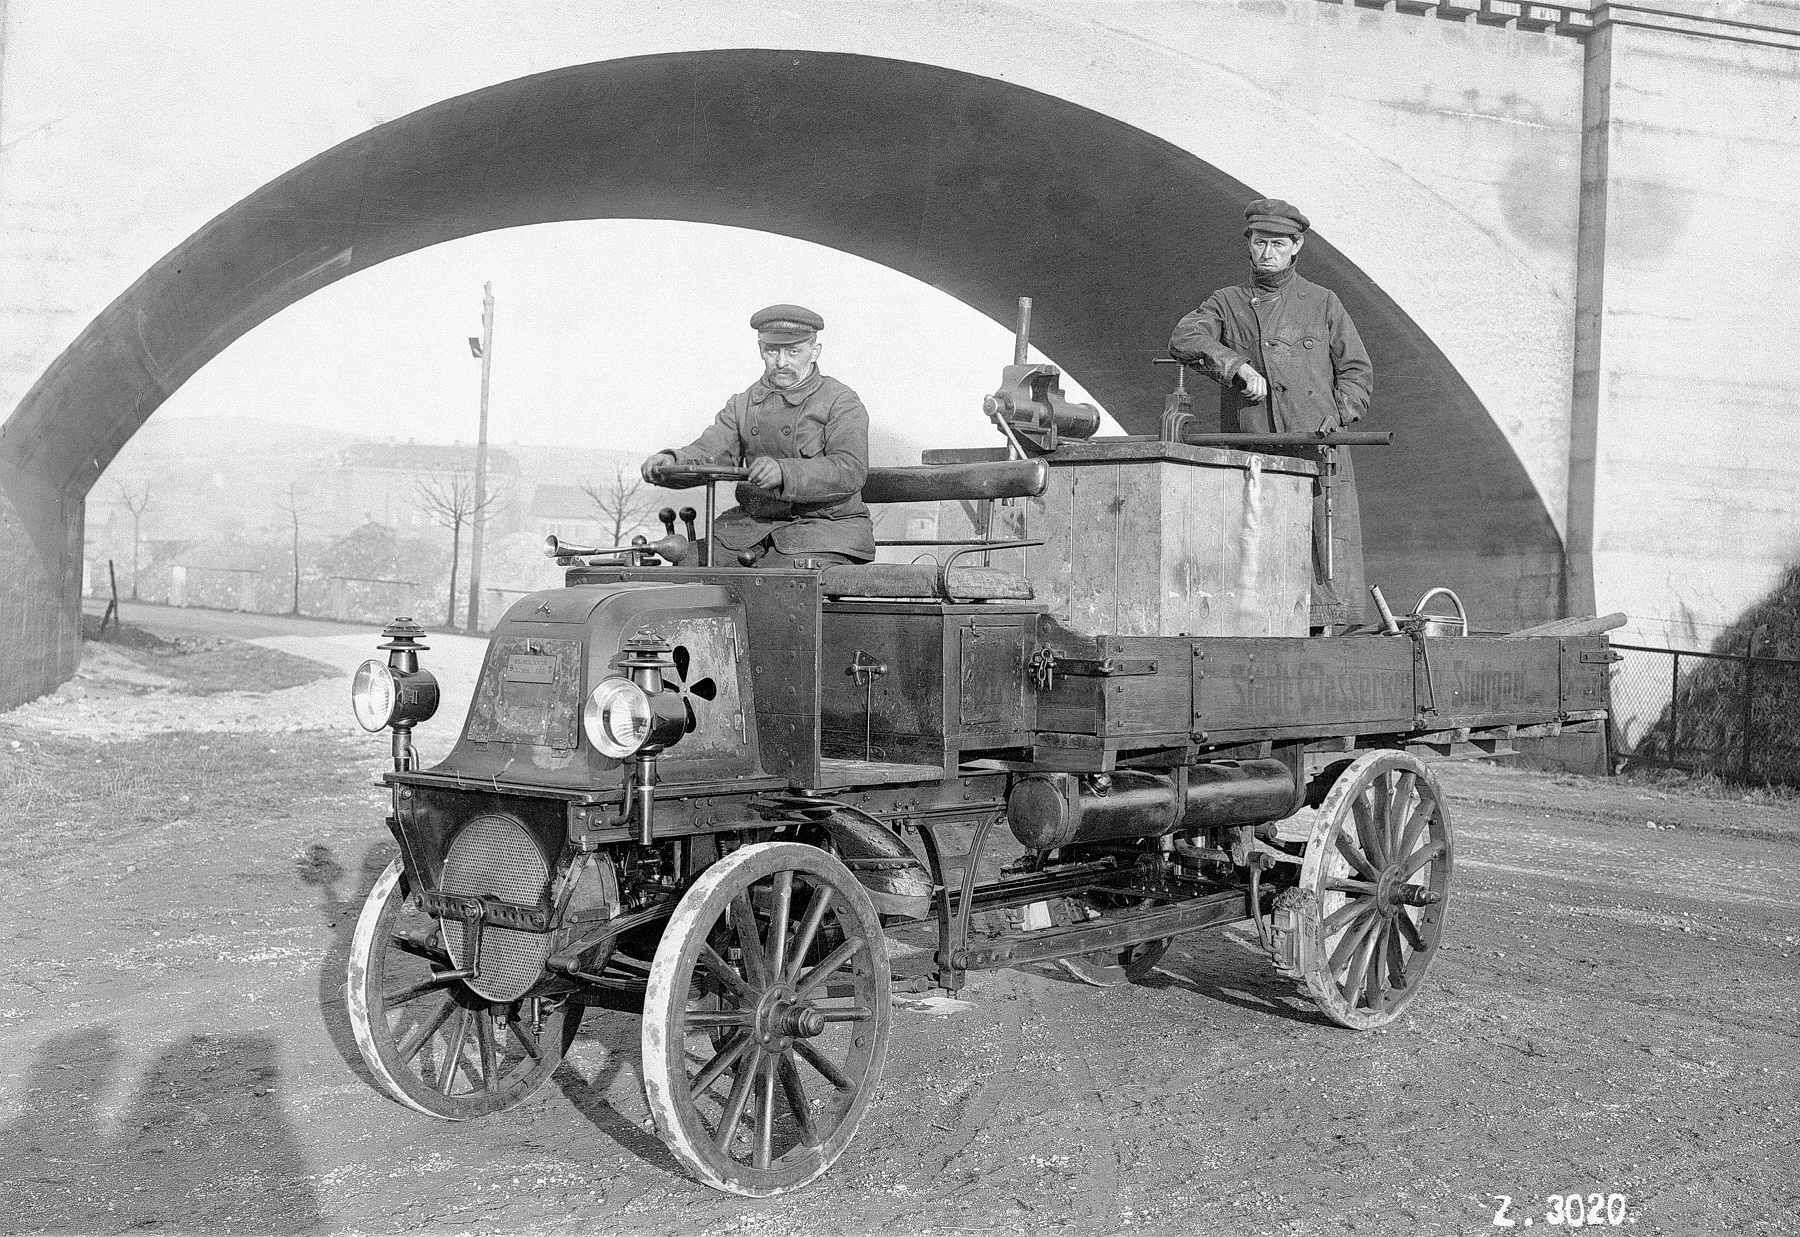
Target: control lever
x=667, y=516
x=747, y=558
x=687, y=522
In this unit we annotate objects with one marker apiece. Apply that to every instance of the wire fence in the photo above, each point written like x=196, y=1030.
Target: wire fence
x=1725, y=713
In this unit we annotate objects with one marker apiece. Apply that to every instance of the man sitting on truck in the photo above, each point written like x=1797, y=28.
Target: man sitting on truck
x=1289, y=361
x=804, y=438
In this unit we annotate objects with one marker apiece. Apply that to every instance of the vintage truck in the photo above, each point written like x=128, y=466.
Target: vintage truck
x=710, y=795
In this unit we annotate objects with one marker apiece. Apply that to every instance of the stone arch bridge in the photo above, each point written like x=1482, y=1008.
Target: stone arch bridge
x=1523, y=207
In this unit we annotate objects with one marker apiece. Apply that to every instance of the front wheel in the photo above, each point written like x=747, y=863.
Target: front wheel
x=431, y=1042
x=766, y=1019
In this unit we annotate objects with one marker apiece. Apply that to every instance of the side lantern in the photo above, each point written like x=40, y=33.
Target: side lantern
x=630, y=717
x=397, y=694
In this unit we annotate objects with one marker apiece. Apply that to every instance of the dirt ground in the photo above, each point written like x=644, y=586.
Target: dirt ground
x=1613, y=1012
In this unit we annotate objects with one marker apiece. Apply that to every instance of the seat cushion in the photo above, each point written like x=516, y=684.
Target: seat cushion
x=906, y=580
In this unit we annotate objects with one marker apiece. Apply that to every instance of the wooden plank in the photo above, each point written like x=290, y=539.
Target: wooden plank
x=1311, y=686
x=1489, y=677
x=1585, y=626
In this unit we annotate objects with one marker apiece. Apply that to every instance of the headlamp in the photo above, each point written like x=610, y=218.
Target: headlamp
x=621, y=719
x=396, y=693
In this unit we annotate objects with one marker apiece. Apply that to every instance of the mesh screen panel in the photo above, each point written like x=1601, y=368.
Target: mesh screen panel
x=494, y=856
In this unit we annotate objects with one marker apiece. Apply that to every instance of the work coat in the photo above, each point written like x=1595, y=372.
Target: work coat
x=1302, y=342
x=818, y=432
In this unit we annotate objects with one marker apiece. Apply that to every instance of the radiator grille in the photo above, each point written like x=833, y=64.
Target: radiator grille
x=494, y=856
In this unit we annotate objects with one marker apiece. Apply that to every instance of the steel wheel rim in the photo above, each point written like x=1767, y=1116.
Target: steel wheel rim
x=731, y=1110
x=1379, y=864
x=433, y=1044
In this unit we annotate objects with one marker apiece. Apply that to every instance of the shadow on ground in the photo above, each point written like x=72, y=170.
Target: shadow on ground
x=201, y=1147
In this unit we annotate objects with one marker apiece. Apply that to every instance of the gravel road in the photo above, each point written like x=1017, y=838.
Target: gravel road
x=1614, y=1012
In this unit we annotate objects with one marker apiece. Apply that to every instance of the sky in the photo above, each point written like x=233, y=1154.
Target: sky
x=624, y=334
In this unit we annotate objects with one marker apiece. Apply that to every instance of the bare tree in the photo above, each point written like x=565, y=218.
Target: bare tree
x=450, y=502
x=136, y=504
x=289, y=501
x=622, y=501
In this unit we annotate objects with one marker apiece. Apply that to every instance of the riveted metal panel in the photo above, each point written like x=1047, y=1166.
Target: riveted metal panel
x=530, y=692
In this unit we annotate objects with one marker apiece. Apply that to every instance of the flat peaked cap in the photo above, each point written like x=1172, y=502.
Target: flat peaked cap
x=1274, y=215
x=785, y=324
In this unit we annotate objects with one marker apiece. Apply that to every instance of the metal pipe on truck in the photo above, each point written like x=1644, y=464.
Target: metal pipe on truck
x=1050, y=810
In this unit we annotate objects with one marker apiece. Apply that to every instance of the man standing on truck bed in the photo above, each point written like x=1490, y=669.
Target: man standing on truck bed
x=805, y=439
x=1289, y=361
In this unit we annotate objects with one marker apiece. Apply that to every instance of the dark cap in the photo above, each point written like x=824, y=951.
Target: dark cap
x=1274, y=215
x=785, y=324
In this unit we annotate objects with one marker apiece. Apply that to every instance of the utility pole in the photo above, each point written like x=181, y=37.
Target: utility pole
x=486, y=353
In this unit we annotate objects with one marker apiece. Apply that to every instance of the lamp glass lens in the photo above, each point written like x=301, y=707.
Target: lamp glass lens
x=372, y=695
x=617, y=718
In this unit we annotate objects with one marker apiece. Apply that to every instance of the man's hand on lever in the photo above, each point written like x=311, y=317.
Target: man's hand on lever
x=765, y=473
x=662, y=459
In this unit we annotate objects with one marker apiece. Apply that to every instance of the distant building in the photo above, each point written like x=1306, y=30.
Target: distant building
x=380, y=482
x=566, y=511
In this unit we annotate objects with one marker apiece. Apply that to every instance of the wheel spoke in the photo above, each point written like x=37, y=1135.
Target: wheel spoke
x=796, y=1098
x=1425, y=856
x=1380, y=804
x=778, y=929
x=453, y=1053
x=1372, y=972
x=1409, y=929
x=1417, y=821
x=743, y=918
x=1400, y=809
x=710, y=1020
x=490, y=1065
x=726, y=974
x=765, y=1118
x=389, y=1000
x=425, y=1031
x=1352, y=941
x=527, y=1041
x=740, y=1097
x=1396, y=960
x=1366, y=834
x=827, y=1070
x=1359, y=962
x=1363, y=888
x=809, y=928
x=1345, y=915
x=726, y=1058
x=828, y=965
x=1348, y=850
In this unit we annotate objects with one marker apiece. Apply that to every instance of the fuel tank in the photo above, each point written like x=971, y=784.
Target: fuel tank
x=1048, y=810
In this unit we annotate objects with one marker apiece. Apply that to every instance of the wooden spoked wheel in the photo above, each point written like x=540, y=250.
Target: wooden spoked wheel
x=1378, y=867
x=433, y=1044
x=766, y=1020
x=1104, y=968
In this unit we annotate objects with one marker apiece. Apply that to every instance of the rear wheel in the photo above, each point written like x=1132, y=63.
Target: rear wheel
x=1375, y=886
x=766, y=1020
x=431, y=1042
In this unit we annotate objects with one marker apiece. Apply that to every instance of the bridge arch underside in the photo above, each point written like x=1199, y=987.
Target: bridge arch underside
x=986, y=190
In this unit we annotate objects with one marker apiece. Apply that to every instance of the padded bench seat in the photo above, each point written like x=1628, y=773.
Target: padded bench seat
x=912, y=580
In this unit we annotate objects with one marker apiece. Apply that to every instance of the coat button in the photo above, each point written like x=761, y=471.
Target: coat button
x=787, y=429
x=1309, y=343
x=755, y=429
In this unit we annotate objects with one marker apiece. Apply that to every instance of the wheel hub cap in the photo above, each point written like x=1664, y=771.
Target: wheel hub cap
x=782, y=1017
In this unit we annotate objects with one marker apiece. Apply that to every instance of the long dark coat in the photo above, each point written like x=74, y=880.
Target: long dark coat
x=1304, y=345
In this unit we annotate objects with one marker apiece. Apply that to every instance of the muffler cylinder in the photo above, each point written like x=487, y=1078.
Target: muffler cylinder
x=1048, y=810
